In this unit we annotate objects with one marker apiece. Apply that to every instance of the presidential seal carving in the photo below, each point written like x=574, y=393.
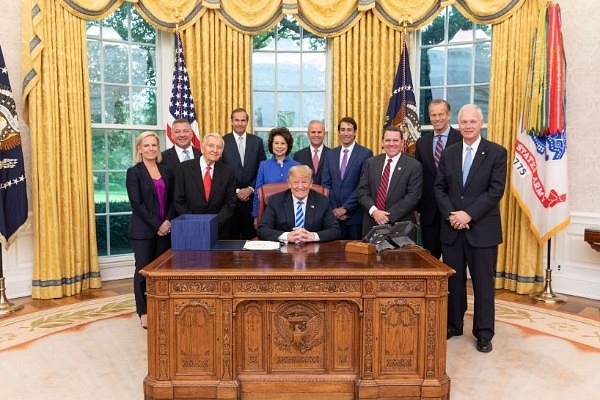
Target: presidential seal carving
x=298, y=327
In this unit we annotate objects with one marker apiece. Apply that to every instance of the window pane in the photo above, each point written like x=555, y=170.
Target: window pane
x=313, y=106
x=119, y=240
x=98, y=149
x=101, y=234
x=118, y=192
x=121, y=146
x=116, y=104
x=143, y=65
x=263, y=71
x=481, y=97
x=459, y=64
x=141, y=31
x=144, y=106
x=300, y=141
x=483, y=55
x=458, y=97
x=96, y=102
x=116, y=63
x=288, y=104
x=436, y=65
x=94, y=60
x=288, y=71
x=100, y=192
x=264, y=114
x=313, y=71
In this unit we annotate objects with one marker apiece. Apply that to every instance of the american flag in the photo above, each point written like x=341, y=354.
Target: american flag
x=402, y=108
x=181, y=104
x=13, y=193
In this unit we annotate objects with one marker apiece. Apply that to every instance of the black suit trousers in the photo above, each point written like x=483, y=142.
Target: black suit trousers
x=481, y=262
x=145, y=251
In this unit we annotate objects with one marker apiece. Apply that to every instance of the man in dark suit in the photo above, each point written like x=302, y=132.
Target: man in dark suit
x=391, y=185
x=428, y=153
x=240, y=145
x=182, y=149
x=314, y=155
x=351, y=158
x=298, y=215
x=199, y=193
x=468, y=187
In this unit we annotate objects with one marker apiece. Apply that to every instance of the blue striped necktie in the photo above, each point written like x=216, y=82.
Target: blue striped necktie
x=299, y=215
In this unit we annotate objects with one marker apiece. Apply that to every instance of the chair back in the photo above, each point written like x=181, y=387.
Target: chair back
x=268, y=189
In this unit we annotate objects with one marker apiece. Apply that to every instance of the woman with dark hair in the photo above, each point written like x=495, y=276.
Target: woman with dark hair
x=150, y=189
x=275, y=169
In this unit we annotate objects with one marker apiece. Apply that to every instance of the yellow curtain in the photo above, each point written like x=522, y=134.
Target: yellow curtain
x=57, y=100
x=520, y=257
x=218, y=63
x=363, y=74
x=323, y=17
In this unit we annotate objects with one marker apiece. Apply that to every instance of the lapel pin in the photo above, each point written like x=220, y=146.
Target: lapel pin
x=312, y=206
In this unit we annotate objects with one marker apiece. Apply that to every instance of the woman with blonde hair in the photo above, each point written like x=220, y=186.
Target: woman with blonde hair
x=150, y=187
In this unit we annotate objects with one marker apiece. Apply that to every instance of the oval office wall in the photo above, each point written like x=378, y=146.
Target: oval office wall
x=576, y=266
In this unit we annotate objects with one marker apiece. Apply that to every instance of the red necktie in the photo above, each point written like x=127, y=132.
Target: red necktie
x=383, y=186
x=439, y=146
x=316, y=160
x=207, y=182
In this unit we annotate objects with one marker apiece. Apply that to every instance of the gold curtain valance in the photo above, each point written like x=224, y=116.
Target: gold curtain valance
x=327, y=18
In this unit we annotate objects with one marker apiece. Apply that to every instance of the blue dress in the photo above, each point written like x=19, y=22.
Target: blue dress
x=270, y=171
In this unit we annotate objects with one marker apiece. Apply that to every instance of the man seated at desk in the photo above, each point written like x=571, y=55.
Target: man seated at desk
x=299, y=214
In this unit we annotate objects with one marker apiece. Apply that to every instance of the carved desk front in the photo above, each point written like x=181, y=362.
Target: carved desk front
x=304, y=322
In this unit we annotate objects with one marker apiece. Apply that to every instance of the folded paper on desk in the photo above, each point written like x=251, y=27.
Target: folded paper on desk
x=261, y=245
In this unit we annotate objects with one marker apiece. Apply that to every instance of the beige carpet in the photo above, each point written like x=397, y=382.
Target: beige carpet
x=97, y=350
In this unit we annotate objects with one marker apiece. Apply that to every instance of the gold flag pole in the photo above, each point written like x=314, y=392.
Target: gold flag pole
x=6, y=307
x=547, y=295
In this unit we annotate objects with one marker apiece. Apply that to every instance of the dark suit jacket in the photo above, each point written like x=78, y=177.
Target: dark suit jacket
x=480, y=196
x=304, y=157
x=343, y=193
x=279, y=217
x=145, y=221
x=404, y=190
x=190, y=197
x=253, y=155
x=424, y=154
x=171, y=160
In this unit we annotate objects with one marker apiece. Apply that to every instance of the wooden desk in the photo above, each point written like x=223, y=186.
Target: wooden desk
x=308, y=322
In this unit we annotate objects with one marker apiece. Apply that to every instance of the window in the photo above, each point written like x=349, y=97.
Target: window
x=122, y=57
x=454, y=59
x=288, y=80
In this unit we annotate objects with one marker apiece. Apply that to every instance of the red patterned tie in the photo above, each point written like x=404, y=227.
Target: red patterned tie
x=315, y=160
x=207, y=182
x=439, y=146
x=383, y=186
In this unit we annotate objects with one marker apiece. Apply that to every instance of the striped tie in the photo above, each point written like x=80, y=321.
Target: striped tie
x=299, y=223
x=383, y=186
x=186, y=154
x=439, y=146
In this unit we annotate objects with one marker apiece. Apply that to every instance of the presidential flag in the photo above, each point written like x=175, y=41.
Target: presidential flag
x=13, y=193
x=539, y=173
x=181, y=105
x=402, y=107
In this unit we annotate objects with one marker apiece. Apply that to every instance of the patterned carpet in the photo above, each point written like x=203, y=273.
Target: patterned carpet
x=97, y=350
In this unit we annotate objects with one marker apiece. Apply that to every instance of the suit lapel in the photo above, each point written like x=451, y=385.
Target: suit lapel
x=289, y=207
x=478, y=158
x=396, y=173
